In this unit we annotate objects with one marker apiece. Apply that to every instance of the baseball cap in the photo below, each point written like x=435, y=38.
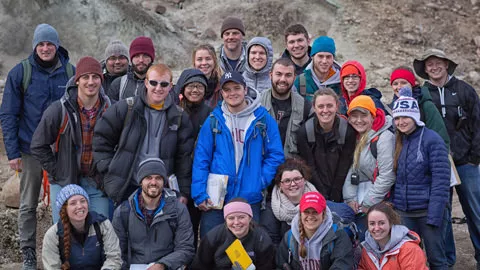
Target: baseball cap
x=232, y=76
x=313, y=200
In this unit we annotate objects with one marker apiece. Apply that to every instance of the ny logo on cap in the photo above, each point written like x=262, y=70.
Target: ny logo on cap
x=228, y=75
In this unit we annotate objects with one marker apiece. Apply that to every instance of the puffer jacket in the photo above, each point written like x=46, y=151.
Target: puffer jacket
x=423, y=175
x=63, y=165
x=464, y=140
x=133, y=87
x=242, y=61
x=429, y=113
x=21, y=113
x=260, y=79
x=168, y=240
x=86, y=256
x=211, y=252
x=117, y=143
x=402, y=251
x=373, y=188
x=262, y=154
x=330, y=160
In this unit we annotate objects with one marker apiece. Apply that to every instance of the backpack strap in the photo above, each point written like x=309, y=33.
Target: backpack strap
x=98, y=232
x=331, y=245
x=291, y=248
x=342, y=129
x=125, y=217
x=214, y=128
x=62, y=128
x=130, y=102
x=123, y=86
x=373, y=146
x=302, y=85
x=69, y=70
x=309, y=128
x=27, y=75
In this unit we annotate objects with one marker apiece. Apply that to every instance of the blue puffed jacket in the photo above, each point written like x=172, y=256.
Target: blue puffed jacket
x=262, y=154
x=423, y=175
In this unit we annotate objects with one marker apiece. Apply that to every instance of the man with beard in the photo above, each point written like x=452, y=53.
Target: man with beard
x=288, y=108
x=297, y=47
x=233, y=53
x=149, y=125
x=142, y=56
x=116, y=62
x=167, y=243
x=31, y=87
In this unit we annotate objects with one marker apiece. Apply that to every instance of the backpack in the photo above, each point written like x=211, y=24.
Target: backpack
x=302, y=80
x=343, y=126
x=261, y=124
x=27, y=73
x=98, y=233
x=123, y=86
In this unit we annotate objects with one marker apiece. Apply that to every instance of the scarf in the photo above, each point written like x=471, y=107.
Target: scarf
x=282, y=207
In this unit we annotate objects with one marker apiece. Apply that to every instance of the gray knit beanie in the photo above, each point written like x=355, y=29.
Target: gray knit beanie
x=45, y=32
x=151, y=166
x=116, y=47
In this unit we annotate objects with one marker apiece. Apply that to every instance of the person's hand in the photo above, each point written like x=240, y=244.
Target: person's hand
x=354, y=205
x=157, y=266
x=16, y=164
x=205, y=206
x=183, y=200
x=364, y=209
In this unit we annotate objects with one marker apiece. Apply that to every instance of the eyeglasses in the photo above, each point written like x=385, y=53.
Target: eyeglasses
x=289, y=181
x=351, y=77
x=199, y=86
x=115, y=58
x=155, y=83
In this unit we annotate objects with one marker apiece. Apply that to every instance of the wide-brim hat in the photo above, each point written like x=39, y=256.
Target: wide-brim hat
x=419, y=64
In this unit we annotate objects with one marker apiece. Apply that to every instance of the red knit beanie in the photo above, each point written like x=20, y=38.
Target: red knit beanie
x=403, y=74
x=87, y=65
x=142, y=45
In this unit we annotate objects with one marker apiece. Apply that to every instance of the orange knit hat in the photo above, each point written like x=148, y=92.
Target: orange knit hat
x=363, y=103
x=348, y=70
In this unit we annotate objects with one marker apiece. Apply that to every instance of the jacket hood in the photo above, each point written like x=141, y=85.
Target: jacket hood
x=315, y=242
x=252, y=104
x=185, y=76
x=399, y=235
x=267, y=45
x=63, y=57
x=332, y=80
x=363, y=81
x=381, y=122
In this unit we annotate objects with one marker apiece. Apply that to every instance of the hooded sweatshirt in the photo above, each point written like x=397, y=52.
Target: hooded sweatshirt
x=315, y=243
x=238, y=124
x=259, y=79
x=402, y=251
x=374, y=93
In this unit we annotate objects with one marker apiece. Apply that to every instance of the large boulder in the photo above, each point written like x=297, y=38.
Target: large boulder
x=11, y=192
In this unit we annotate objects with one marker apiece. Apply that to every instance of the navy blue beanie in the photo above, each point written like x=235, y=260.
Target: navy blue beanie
x=323, y=44
x=45, y=32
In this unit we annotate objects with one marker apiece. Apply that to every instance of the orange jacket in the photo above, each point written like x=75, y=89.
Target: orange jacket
x=409, y=256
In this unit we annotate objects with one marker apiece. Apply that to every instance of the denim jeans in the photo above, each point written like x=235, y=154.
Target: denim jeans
x=469, y=197
x=432, y=237
x=98, y=200
x=30, y=185
x=212, y=218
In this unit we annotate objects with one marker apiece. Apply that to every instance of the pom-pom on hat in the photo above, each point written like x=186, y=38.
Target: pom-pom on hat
x=69, y=191
x=407, y=106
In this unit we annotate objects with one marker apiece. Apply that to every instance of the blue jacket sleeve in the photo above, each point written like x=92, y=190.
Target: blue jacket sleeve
x=201, y=163
x=273, y=152
x=439, y=189
x=10, y=111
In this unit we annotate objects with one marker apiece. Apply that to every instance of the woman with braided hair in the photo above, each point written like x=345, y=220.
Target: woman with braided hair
x=80, y=239
x=315, y=242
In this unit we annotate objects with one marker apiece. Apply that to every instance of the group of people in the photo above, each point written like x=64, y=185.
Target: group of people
x=307, y=150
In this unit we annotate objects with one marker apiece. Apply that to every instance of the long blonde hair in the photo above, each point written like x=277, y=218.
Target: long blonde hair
x=217, y=71
x=359, y=148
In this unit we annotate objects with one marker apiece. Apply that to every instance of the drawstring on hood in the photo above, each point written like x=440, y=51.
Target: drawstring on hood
x=441, y=92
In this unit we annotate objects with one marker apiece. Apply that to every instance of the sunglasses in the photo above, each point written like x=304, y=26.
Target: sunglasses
x=155, y=83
